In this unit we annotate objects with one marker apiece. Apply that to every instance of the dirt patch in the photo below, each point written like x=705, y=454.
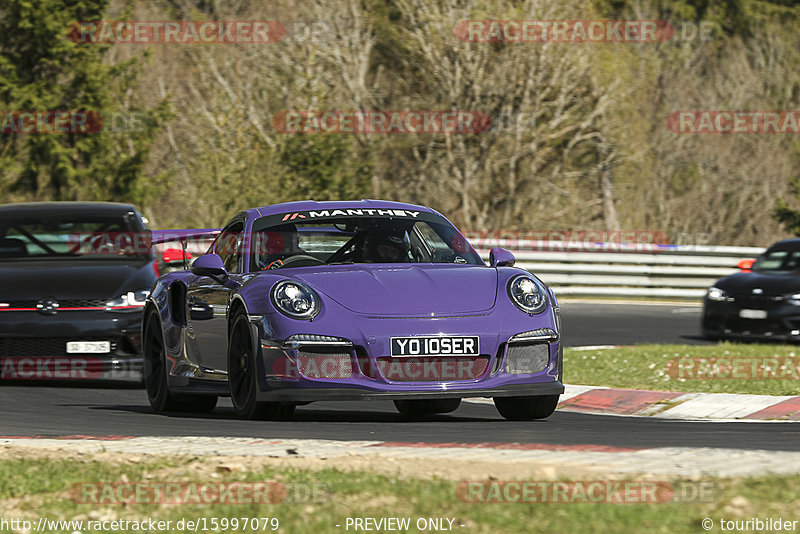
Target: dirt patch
x=210, y=467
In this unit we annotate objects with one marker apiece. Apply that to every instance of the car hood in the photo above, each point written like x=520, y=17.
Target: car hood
x=72, y=279
x=408, y=290
x=779, y=283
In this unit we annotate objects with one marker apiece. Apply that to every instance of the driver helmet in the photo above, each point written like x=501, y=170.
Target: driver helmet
x=386, y=244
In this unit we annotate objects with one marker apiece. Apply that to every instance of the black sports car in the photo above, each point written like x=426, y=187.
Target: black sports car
x=763, y=303
x=74, y=277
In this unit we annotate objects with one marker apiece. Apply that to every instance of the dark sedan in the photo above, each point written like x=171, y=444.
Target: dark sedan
x=74, y=277
x=763, y=303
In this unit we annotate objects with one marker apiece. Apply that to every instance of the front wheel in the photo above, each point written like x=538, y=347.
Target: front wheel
x=421, y=407
x=711, y=335
x=156, y=375
x=243, y=377
x=526, y=408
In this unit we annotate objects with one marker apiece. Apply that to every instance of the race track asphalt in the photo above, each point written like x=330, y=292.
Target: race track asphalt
x=29, y=410
x=600, y=323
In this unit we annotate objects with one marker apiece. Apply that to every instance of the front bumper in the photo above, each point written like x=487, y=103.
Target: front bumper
x=34, y=346
x=358, y=365
x=778, y=321
x=359, y=393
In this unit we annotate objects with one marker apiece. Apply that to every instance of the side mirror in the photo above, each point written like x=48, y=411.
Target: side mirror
x=209, y=265
x=500, y=257
x=746, y=264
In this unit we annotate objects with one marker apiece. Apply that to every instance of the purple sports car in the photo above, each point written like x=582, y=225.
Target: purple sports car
x=309, y=301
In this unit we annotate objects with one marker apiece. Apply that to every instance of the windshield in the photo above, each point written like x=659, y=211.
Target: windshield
x=73, y=236
x=358, y=240
x=778, y=260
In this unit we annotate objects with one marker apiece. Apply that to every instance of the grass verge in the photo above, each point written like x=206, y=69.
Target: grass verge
x=764, y=369
x=365, y=494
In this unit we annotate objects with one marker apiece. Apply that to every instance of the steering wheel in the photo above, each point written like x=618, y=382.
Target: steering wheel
x=304, y=259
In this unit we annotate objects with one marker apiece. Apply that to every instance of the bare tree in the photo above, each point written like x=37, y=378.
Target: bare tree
x=546, y=140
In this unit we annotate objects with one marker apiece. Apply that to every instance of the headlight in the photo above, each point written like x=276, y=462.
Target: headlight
x=527, y=294
x=793, y=299
x=718, y=295
x=295, y=299
x=131, y=299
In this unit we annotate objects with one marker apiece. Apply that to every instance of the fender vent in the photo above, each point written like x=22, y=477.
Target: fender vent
x=177, y=303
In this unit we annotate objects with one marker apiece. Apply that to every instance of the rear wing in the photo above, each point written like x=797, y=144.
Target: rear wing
x=183, y=237
x=165, y=236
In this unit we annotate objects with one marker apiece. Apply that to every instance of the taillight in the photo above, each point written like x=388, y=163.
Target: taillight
x=746, y=265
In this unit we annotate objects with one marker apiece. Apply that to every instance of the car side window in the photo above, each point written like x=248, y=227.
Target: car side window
x=792, y=262
x=229, y=247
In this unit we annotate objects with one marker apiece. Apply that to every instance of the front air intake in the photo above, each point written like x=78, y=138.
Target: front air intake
x=527, y=359
x=325, y=363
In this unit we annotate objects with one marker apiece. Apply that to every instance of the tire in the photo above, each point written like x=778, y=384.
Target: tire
x=526, y=408
x=422, y=407
x=156, y=375
x=711, y=336
x=243, y=378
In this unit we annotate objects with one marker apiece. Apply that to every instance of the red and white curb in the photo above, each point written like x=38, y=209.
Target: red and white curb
x=675, y=405
x=719, y=407
x=679, y=461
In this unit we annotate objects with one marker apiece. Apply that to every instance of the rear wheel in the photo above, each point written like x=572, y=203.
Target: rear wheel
x=421, y=407
x=243, y=377
x=156, y=375
x=526, y=408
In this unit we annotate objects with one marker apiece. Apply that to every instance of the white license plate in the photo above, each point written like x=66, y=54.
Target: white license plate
x=436, y=346
x=88, y=347
x=753, y=314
